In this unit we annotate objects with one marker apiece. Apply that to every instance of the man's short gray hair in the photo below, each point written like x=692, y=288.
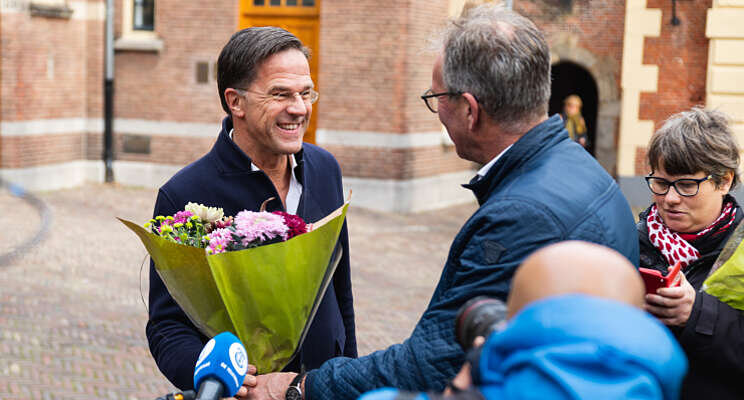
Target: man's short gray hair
x=693, y=141
x=502, y=59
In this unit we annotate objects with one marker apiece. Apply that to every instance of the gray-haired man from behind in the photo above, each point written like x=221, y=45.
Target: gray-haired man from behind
x=490, y=88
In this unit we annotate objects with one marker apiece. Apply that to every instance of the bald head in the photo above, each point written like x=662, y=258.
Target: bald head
x=575, y=268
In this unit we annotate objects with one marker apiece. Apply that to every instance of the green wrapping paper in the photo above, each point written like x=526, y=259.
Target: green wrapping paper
x=185, y=272
x=726, y=280
x=266, y=295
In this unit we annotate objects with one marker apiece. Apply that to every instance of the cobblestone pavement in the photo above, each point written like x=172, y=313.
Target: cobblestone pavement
x=72, y=310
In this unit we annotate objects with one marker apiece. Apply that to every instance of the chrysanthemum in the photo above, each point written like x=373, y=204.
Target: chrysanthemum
x=182, y=216
x=219, y=240
x=259, y=227
x=295, y=223
x=207, y=214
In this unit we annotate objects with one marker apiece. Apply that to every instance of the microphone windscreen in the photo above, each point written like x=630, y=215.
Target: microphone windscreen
x=223, y=358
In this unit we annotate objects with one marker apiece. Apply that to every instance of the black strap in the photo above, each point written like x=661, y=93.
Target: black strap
x=297, y=380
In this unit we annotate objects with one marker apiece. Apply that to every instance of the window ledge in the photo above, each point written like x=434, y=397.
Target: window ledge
x=146, y=44
x=50, y=10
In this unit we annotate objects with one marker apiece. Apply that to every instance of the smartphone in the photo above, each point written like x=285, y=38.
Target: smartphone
x=654, y=280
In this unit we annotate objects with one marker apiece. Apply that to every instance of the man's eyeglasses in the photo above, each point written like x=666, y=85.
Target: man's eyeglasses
x=684, y=187
x=431, y=100
x=307, y=96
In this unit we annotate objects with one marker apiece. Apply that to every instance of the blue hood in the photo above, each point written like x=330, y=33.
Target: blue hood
x=581, y=347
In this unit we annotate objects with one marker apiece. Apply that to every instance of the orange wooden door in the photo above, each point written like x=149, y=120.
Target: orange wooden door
x=301, y=17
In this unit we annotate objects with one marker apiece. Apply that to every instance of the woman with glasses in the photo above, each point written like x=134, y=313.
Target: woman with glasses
x=694, y=161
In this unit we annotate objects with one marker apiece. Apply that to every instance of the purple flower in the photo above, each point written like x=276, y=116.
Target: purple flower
x=182, y=217
x=259, y=227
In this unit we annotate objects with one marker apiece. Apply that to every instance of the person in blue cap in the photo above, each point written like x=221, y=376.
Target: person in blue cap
x=575, y=330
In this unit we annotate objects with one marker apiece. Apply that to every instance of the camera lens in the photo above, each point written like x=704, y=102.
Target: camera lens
x=480, y=316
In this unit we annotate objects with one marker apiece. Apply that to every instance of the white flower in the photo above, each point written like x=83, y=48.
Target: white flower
x=206, y=214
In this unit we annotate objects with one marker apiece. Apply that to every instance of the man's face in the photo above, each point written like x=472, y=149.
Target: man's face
x=451, y=113
x=276, y=117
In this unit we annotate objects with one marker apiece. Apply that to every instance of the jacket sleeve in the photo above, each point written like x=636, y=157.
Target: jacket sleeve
x=174, y=341
x=344, y=297
x=714, y=334
x=482, y=261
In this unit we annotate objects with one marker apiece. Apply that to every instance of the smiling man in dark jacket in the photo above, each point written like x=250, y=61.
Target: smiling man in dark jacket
x=490, y=88
x=265, y=88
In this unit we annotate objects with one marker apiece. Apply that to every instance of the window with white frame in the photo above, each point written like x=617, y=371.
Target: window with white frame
x=143, y=15
x=138, y=27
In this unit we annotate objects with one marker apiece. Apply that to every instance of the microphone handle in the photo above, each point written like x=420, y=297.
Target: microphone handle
x=210, y=389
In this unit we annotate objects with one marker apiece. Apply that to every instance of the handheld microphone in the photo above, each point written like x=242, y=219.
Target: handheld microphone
x=221, y=368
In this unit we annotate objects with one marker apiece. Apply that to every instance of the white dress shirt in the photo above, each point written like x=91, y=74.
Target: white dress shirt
x=295, y=187
x=484, y=170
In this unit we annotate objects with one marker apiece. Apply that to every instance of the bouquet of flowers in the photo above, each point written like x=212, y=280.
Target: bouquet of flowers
x=260, y=275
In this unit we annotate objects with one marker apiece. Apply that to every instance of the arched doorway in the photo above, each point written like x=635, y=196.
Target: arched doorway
x=570, y=78
x=302, y=18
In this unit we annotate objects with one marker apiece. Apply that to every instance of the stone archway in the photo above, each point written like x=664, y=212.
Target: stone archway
x=605, y=74
x=571, y=79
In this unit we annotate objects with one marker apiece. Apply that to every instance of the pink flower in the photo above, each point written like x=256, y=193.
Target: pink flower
x=259, y=227
x=182, y=217
x=219, y=240
x=225, y=222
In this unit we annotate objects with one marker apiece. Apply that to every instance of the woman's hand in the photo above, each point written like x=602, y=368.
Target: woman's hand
x=673, y=305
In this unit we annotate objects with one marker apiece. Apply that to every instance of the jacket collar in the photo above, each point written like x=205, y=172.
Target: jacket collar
x=546, y=134
x=232, y=160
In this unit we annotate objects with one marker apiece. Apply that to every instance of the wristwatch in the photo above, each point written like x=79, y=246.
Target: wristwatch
x=294, y=391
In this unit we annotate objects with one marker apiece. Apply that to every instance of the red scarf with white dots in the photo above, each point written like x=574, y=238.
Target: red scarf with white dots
x=676, y=246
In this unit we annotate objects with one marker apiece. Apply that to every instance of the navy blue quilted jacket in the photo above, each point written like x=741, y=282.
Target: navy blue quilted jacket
x=543, y=190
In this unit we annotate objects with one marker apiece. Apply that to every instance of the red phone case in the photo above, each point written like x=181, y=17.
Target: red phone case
x=654, y=280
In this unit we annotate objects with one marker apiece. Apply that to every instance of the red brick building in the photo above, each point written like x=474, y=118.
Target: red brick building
x=371, y=61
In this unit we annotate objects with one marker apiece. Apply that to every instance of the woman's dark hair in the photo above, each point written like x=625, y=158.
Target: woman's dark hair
x=243, y=54
x=694, y=141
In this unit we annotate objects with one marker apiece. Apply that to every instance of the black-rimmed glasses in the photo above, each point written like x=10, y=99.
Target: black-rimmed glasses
x=307, y=96
x=431, y=104
x=687, y=187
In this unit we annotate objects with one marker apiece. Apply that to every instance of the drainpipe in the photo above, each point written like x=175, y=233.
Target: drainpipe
x=108, y=93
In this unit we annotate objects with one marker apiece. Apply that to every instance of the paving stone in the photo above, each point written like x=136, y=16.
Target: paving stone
x=72, y=309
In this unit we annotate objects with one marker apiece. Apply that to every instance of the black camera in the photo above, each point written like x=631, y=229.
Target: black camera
x=480, y=316
x=185, y=395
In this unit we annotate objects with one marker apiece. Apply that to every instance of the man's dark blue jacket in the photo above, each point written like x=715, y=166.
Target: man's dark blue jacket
x=544, y=189
x=574, y=347
x=223, y=178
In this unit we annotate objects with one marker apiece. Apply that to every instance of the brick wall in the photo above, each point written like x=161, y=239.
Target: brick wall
x=376, y=61
x=681, y=53
x=43, y=67
x=162, y=85
x=590, y=34
x=641, y=167
x=45, y=75
x=32, y=151
x=596, y=25
x=362, y=65
x=397, y=164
